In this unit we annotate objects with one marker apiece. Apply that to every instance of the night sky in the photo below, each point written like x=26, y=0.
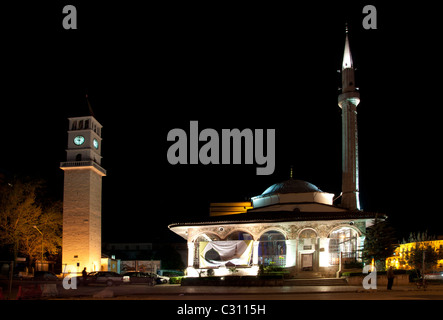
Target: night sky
x=148, y=70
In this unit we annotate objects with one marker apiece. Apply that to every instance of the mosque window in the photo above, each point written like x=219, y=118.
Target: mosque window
x=343, y=242
x=272, y=249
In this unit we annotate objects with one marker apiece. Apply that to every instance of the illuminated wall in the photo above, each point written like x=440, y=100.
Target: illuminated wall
x=326, y=244
x=227, y=208
x=82, y=219
x=399, y=259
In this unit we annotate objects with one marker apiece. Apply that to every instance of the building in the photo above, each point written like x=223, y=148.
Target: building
x=129, y=250
x=399, y=260
x=82, y=198
x=146, y=256
x=292, y=224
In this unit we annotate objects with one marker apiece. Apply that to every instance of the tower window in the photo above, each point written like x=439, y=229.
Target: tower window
x=78, y=157
x=86, y=124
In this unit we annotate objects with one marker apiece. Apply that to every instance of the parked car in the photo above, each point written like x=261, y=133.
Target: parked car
x=138, y=277
x=22, y=275
x=159, y=279
x=108, y=278
x=434, y=275
x=44, y=276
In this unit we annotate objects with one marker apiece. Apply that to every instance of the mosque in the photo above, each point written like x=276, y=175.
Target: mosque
x=292, y=224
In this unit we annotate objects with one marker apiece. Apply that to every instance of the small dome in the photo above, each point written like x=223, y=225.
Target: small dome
x=291, y=186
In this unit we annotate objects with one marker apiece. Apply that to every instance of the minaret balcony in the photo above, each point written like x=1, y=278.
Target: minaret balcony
x=353, y=97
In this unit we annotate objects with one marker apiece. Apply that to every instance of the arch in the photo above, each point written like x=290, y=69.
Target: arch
x=344, y=244
x=201, y=236
x=210, y=236
x=272, y=248
x=344, y=225
x=307, y=232
x=272, y=229
x=239, y=234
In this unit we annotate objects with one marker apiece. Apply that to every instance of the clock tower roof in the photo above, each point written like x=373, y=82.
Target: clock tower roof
x=84, y=109
x=91, y=112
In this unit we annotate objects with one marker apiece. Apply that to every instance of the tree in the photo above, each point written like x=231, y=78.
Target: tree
x=419, y=237
x=415, y=256
x=422, y=245
x=24, y=208
x=379, y=243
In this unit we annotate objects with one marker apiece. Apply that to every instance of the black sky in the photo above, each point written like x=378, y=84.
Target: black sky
x=148, y=70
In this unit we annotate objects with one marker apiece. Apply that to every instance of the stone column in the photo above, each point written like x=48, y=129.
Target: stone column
x=255, y=253
x=191, y=250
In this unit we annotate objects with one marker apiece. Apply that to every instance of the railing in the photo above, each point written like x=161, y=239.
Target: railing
x=272, y=260
x=346, y=258
x=83, y=164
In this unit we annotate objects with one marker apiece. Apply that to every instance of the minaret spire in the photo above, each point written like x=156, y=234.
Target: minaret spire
x=347, y=57
x=348, y=100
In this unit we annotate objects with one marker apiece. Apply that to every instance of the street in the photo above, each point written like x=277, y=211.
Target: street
x=177, y=292
x=175, y=301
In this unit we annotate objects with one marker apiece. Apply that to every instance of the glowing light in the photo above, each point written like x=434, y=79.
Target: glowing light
x=347, y=58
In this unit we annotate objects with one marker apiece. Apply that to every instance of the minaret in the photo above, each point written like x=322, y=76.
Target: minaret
x=82, y=198
x=348, y=101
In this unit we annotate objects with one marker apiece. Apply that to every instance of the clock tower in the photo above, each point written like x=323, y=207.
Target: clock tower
x=82, y=198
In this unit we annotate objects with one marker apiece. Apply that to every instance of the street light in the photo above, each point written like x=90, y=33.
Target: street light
x=41, y=263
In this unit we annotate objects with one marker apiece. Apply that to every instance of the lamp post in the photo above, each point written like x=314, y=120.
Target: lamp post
x=41, y=263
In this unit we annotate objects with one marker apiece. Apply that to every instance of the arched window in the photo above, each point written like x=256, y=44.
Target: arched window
x=343, y=242
x=272, y=249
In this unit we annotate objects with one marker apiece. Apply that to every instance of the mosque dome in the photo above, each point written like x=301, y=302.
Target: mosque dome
x=290, y=186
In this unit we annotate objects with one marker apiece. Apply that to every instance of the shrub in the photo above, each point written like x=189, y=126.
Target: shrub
x=175, y=280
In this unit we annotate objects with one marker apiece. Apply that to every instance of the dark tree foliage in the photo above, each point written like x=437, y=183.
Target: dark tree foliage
x=379, y=243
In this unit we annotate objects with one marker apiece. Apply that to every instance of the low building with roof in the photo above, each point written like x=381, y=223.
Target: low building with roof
x=292, y=224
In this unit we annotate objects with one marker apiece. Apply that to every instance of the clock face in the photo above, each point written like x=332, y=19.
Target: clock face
x=79, y=140
x=95, y=142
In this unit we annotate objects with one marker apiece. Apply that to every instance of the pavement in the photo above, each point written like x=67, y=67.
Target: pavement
x=177, y=292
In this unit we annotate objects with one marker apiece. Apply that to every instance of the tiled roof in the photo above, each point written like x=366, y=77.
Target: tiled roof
x=280, y=216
